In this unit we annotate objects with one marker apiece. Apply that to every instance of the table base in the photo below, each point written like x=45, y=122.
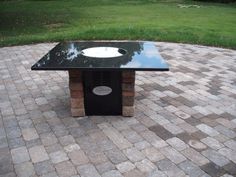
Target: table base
x=89, y=98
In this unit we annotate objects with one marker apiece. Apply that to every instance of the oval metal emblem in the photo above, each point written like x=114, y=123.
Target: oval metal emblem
x=102, y=90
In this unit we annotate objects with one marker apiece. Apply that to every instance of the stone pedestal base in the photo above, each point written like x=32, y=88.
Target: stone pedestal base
x=77, y=93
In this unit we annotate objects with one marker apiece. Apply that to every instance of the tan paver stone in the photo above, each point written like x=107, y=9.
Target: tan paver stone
x=117, y=138
x=195, y=156
x=187, y=127
x=157, y=173
x=145, y=166
x=225, y=131
x=87, y=170
x=208, y=130
x=159, y=144
x=65, y=169
x=20, y=155
x=169, y=168
x=24, y=169
x=177, y=143
x=97, y=158
x=182, y=115
x=173, y=155
x=58, y=156
x=173, y=128
x=105, y=167
x=112, y=173
x=215, y=157
x=38, y=154
x=48, y=139
x=132, y=173
x=197, y=144
x=212, y=143
x=133, y=154
x=231, y=155
x=72, y=147
x=231, y=144
x=78, y=157
x=142, y=145
x=29, y=134
x=153, y=154
x=125, y=166
x=226, y=123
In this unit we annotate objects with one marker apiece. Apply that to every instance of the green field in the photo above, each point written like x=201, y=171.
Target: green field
x=25, y=22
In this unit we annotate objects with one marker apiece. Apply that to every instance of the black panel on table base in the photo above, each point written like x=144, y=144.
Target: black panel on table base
x=102, y=92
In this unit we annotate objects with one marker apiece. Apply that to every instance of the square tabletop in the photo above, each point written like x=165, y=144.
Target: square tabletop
x=103, y=56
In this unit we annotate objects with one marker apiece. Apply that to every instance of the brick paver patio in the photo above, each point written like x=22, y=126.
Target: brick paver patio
x=184, y=123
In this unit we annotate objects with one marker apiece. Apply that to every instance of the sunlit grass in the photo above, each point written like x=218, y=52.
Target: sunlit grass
x=24, y=22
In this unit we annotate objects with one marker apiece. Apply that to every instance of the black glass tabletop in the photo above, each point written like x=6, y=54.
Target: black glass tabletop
x=103, y=56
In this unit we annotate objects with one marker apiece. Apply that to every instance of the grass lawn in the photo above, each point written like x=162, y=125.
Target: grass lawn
x=24, y=22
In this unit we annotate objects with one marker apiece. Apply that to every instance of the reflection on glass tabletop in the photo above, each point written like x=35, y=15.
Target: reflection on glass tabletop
x=103, y=56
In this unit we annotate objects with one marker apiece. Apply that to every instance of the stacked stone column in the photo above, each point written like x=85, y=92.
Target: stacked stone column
x=76, y=93
x=128, y=93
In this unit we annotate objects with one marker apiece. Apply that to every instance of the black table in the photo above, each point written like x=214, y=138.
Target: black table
x=102, y=74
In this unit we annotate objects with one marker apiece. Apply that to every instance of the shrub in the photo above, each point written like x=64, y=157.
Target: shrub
x=221, y=1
